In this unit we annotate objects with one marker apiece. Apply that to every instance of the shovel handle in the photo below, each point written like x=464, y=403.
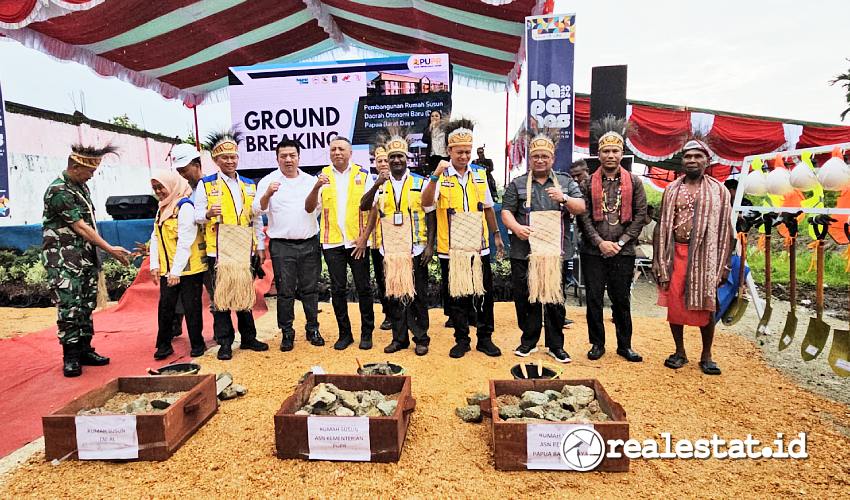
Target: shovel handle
x=767, y=281
x=742, y=237
x=792, y=270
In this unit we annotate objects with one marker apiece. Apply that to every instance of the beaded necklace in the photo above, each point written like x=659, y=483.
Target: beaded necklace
x=612, y=210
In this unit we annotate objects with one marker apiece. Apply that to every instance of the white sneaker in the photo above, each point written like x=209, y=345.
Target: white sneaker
x=524, y=350
x=560, y=355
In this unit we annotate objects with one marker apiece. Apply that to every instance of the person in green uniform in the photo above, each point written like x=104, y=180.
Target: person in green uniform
x=69, y=254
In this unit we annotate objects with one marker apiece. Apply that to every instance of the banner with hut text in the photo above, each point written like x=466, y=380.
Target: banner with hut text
x=4, y=162
x=550, y=52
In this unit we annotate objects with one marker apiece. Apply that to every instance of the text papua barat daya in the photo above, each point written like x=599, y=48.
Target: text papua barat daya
x=303, y=125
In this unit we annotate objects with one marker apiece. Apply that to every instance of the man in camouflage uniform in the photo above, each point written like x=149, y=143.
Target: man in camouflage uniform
x=70, y=256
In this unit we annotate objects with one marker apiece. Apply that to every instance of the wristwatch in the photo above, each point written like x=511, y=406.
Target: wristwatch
x=621, y=243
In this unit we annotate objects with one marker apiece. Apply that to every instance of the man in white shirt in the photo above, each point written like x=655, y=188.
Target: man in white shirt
x=233, y=202
x=293, y=242
x=344, y=239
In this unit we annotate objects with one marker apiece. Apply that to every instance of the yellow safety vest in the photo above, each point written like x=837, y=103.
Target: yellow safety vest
x=452, y=196
x=355, y=221
x=166, y=235
x=410, y=201
x=219, y=193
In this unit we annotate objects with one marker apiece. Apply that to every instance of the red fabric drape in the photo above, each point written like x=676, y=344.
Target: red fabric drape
x=732, y=138
x=720, y=172
x=581, y=127
x=15, y=11
x=822, y=136
x=658, y=133
x=660, y=177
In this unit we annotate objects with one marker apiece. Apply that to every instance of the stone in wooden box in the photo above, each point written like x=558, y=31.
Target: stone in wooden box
x=156, y=435
x=346, y=438
x=520, y=445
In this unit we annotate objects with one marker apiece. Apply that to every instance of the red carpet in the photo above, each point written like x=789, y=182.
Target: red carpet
x=31, y=381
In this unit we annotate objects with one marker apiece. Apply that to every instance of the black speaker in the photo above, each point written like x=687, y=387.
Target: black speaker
x=607, y=96
x=139, y=206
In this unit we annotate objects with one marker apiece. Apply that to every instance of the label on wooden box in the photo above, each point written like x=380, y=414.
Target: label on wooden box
x=107, y=437
x=339, y=438
x=543, y=444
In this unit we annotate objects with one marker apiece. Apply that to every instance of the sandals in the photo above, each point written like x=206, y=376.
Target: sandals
x=675, y=361
x=709, y=367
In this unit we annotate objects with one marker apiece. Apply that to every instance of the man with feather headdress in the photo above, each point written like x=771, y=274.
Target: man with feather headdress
x=69, y=254
x=407, y=244
x=224, y=199
x=465, y=218
x=531, y=201
x=616, y=204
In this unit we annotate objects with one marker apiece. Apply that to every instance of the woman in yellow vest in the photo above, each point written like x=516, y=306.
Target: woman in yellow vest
x=177, y=262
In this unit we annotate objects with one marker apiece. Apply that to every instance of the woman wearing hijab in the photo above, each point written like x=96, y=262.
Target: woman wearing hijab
x=177, y=261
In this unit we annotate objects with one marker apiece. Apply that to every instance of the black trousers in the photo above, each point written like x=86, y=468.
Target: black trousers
x=615, y=274
x=530, y=316
x=339, y=259
x=188, y=293
x=178, y=308
x=412, y=315
x=295, y=263
x=466, y=310
x=223, y=330
x=380, y=284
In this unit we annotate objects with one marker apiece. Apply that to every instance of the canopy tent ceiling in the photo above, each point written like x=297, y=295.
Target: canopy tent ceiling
x=182, y=48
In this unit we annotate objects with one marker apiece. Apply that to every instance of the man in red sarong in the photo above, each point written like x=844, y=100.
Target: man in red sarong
x=692, y=250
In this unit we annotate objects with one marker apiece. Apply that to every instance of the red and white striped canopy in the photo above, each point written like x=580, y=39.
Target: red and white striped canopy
x=182, y=48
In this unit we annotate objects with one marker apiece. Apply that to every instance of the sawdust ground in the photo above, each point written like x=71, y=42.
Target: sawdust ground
x=20, y=321
x=233, y=454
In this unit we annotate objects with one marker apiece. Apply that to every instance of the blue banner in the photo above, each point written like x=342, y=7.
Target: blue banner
x=550, y=54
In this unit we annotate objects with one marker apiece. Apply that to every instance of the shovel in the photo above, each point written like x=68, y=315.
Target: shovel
x=818, y=331
x=736, y=309
x=791, y=320
x=762, y=328
x=839, y=353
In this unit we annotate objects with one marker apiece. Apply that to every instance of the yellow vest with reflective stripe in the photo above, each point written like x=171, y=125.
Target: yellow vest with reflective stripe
x=166, y=235
x=452, y=196
x=218, y=192
x=354, y=219
x=410, y=202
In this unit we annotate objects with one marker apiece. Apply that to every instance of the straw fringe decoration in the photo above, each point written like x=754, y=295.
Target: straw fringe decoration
x=102, y=292
x=398, y=263
x=466, y=275
x=234, y=282
x=544, y=262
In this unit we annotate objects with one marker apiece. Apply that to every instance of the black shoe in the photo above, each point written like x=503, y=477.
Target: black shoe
x=253, y=345
x=630, y=355
x=315, y=339
x=197, y=352
x=568, y=323
x=225, y=352
x=488, y=347
x=287, y=343
x=386, y=325
x=343, y=343
x=91, y=358
x=365, y=341
x=395, y=347
x=71, y=367
x=450, y=323
x=421, y=350
x=71, y=360
x=163, y=352
x=459, y=350
x=595, y=352
x=560, y=355
x=524, y=350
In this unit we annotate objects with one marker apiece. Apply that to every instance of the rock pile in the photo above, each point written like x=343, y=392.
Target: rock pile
x=123, y=403
x=574, y=403
x=328, y=399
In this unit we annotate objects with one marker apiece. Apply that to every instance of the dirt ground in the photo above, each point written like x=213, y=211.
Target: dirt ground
x=233, y=454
